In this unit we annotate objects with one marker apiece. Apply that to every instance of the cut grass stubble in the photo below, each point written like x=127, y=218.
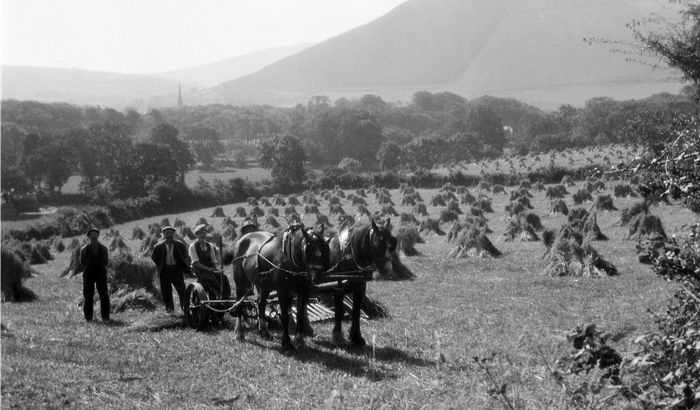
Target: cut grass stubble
x=454, y=308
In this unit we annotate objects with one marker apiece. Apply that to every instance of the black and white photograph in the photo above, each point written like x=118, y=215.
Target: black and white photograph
x=350, y=204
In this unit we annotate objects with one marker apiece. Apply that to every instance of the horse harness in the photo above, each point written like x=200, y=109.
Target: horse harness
x=351, y=254
x=287, y=255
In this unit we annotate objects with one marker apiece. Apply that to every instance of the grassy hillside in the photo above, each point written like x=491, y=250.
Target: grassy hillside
x=532, y=51
x=85, y=87
x=504, y=309
x=218, y=72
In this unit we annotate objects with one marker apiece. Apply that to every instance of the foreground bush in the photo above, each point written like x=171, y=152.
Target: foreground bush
x=666, y=367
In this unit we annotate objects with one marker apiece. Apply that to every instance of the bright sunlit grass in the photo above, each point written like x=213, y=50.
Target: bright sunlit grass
x=422, y=355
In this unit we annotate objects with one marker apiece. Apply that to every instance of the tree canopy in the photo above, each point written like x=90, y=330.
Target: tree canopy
x=284, y=156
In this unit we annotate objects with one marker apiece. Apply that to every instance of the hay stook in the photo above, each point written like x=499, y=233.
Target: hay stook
x=471, y=242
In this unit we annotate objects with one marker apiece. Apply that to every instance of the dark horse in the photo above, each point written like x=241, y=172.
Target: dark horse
x=357, y=252
x=291, y=262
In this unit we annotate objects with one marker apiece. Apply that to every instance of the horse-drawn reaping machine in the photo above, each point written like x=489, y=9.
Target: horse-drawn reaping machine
x=354, y=255
x=203, y=308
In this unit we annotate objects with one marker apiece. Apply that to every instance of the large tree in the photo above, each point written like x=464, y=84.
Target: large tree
x=205, y=143
x=284, y=156
x=389, y=155
x=675, y=43
x=346, y=132
x=12, y=143
x=32, y=162
x=168, y=135
x=57, y=152
x=147, y=164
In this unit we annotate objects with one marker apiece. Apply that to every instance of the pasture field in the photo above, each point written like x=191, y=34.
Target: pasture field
x=504, y=310
x=253, y=174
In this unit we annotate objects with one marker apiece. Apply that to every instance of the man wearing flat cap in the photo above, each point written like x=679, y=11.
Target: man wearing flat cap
x=205, y=259
x=94, y=257
x=171, y=259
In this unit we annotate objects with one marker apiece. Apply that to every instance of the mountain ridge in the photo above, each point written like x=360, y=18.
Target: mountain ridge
x=531, y=50
x=536, y=45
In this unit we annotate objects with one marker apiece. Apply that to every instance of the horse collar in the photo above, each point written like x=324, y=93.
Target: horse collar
x=354, y=255
x=288, y=252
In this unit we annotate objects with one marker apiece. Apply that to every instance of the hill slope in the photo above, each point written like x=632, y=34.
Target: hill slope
x=533, y=51
x=216, y=73
x=85, y=87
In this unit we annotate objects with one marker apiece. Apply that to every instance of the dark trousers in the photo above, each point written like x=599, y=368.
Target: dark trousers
x=172, y=276
x=90, y=281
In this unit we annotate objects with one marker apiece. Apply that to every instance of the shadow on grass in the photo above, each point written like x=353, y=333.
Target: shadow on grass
x=356, y=361
x=113, y=323
x=158, y=324
x=384, y=354
x=357, y=366
x=163, y=322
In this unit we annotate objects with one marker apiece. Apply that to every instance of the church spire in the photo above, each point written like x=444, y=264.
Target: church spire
x=179, y=95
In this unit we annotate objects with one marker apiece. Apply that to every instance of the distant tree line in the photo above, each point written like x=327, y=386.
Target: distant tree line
x=123, y=154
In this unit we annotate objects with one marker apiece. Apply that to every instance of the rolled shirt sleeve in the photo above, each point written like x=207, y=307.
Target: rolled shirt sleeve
x=192, y=251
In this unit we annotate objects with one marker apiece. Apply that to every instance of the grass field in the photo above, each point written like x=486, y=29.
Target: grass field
x=503, y=309
x=253, y=174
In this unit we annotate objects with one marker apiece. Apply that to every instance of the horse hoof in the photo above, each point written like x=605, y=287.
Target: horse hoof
x=338, y=338
x=300, y=342
x=240, y=338
x=358, y=341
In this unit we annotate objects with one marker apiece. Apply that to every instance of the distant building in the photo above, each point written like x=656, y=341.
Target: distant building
x=179, y=95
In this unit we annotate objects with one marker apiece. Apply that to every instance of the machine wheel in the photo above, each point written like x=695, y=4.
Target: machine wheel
x=196, y=312
x=250, y=315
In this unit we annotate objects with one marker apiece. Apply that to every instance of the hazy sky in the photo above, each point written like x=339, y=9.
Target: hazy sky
x=151, y=36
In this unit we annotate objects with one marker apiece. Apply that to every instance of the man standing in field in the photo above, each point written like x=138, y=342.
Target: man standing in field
x=94, y=257
x=171, y=259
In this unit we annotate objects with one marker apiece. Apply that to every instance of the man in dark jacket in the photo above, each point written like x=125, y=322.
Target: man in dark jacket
x=171, y=259
x=94, y=257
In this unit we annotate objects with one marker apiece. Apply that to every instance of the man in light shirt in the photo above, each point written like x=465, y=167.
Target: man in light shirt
x=206, y=258
x=171, y=259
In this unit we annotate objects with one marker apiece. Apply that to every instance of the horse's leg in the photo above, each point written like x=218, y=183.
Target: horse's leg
x=242, y=284
x=262, y=322
x=302, y=301
x=284, y=298
x=358, y=295
x=338, y=296
x=308, y=329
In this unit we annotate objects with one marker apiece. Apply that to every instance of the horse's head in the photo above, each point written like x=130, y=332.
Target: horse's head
x=316, y=254
x=383, y=243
